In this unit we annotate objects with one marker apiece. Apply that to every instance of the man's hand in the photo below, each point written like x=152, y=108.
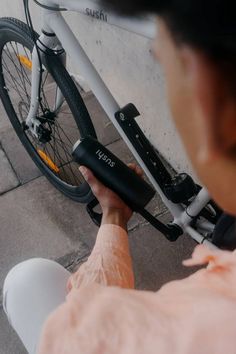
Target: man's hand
x=115, y=211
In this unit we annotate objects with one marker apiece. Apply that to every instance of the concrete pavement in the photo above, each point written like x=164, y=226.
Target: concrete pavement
x=38, y=221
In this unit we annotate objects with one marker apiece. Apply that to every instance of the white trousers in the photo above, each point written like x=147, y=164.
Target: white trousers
x=31, y=291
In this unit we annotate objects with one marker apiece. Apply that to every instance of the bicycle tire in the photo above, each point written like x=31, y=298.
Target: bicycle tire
x=15, y=31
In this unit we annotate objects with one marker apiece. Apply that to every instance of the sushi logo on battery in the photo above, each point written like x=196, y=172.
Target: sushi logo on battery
x=98, y=14
x=102, y=156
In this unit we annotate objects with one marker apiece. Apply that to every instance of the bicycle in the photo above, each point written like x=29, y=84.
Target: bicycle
x=33, y=66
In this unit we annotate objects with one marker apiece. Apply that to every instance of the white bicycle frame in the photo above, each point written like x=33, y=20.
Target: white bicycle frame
x=54, y=23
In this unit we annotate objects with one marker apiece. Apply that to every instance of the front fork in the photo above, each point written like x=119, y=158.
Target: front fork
x=32, y=122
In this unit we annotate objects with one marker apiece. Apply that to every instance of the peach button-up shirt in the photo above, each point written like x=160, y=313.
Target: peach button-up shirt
x=103, y=314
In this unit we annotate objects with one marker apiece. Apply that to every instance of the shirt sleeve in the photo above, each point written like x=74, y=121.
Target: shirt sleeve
x=110, y=262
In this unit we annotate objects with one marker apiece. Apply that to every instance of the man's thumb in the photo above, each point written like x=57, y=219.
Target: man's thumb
x=94, y=183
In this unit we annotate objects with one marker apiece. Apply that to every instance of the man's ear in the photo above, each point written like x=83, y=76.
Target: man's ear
x=214, y=105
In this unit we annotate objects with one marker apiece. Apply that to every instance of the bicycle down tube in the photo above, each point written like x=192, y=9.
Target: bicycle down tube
x=55, y=23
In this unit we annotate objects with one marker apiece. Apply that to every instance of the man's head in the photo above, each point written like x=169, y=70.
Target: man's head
x=196, y=46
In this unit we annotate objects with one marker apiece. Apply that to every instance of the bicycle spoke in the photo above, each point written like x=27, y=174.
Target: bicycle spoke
x=62, y=143
x=68, y=154
x=62, y=130
x=12, y=77
x=62, y=165
x=24, y=73
x=15, y=66
x=45, y=102
x=58, y=140
x=26, y=53
x=16, y=84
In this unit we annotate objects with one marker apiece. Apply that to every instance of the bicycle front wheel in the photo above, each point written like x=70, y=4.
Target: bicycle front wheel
x=60, y=127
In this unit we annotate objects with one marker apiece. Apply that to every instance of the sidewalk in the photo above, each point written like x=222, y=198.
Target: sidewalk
x=38, y=221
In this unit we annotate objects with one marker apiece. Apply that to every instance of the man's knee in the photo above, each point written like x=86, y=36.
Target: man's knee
x=32, y=290
x=29, y=277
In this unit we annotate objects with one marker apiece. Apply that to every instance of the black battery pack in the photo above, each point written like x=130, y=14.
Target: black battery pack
x=113, y=173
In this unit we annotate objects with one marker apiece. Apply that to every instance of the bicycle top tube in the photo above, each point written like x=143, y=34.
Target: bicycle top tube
x=144, y=26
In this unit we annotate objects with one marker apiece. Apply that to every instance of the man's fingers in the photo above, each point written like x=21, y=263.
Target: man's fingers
x=96, y=186
x=132, y=165
x=136, y=169
x=94, y=183
x=139, y=171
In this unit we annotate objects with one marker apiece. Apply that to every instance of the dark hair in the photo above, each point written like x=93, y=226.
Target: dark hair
x=209, y=25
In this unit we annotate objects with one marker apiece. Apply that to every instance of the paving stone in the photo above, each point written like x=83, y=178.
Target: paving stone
x=22, y=163
x=4, y=121
x=74, y=259
x=9, y=341
x=8, y=178
x=105, y=130
x=156, y=260
x=38, y=221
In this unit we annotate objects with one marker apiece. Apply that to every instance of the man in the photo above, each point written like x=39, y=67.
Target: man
x=103, y=314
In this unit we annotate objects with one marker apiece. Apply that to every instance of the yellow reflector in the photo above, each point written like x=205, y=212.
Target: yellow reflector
x=25, y=61
x=48, y=161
